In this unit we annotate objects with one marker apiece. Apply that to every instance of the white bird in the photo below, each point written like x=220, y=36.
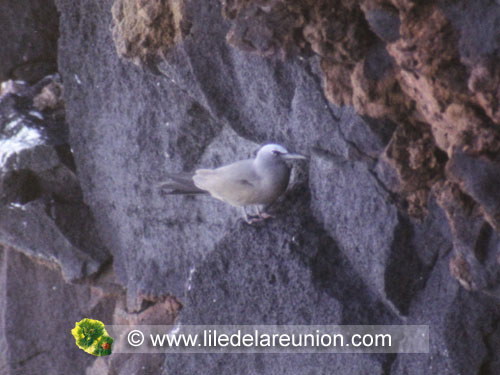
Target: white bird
x=252, y=182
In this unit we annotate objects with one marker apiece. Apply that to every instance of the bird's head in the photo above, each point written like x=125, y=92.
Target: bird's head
x=274, y=153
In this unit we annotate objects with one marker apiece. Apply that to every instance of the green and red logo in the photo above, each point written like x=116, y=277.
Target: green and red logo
x=91, y=336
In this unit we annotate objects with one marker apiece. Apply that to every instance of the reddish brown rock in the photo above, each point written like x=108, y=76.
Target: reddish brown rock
x=418, y=163
x=479, y=177
x=51, y=97
x=338, y=87
x=265, y=27
x=460, y=269
x=474, y=242
x=144, y=30
x=484, y=82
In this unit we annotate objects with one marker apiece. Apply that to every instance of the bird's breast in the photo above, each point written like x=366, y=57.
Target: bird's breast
x=274, y=183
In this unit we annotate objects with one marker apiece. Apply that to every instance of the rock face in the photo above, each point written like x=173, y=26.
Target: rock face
x=29, y=39
x=42, y=213
x=394, y=218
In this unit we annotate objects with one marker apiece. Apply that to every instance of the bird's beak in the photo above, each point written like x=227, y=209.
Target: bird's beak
x=293, y=156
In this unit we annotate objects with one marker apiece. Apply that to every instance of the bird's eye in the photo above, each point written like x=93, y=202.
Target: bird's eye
x=276, y=152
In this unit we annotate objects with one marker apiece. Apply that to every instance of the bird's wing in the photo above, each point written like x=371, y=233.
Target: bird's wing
x=236, y=183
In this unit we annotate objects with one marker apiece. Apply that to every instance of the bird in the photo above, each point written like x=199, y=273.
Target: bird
x=254, y=182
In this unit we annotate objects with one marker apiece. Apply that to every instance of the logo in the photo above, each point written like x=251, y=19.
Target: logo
x=91, y=336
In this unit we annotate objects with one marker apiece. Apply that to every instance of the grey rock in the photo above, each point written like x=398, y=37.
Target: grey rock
x=259, y=275
x=317, y=364
x=385, y=23
x=340, y=249
x=29, y=229
x=262, y=100
x=29, y=39
x=474, y=21
x=184, y=115
x=38, y=309
x=42, y=213
x=361, y=220
x=456, y=319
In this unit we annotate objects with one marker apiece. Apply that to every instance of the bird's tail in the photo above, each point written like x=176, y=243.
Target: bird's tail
x=180, y=183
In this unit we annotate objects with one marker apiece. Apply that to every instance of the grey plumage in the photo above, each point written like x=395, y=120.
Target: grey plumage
x=252, y=182
x=181, y=183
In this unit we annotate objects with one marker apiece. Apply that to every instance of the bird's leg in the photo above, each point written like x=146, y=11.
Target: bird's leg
x=245, y=215
x=261, y=215
x=250, y=219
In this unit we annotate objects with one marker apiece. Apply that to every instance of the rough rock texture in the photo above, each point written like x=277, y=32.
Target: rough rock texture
x=425, y=71
x=418, y=66
x=29, y=32
x=48, y=238
x=394, y=218
x=144, y=30
x=54, y=268
x=42, y=213
x=40, y=305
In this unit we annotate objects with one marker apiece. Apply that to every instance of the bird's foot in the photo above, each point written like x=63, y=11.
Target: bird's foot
x=265, y=215
x=257, y=219
x=254, y=219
